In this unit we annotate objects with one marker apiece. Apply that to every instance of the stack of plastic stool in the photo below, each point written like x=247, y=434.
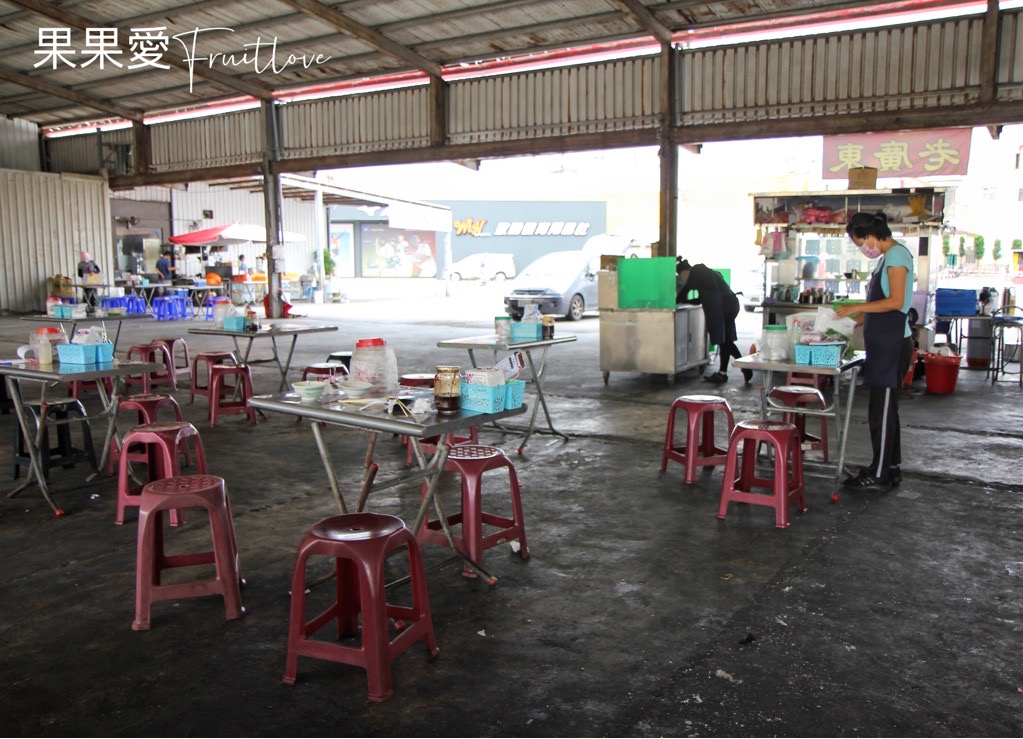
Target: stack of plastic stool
x=147, y=406
x=359, y=544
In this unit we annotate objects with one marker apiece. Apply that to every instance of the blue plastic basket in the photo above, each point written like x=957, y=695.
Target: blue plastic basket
x=483, y=398
x=77, y=353
x=234, y=323
x=826, y=355
x=804, y=354
x=105, y=352
x=513, y=391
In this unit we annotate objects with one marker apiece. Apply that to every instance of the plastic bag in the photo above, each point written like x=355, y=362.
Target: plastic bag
x=828, y=323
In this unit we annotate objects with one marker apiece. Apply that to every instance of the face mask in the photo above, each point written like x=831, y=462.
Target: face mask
x=870, y=252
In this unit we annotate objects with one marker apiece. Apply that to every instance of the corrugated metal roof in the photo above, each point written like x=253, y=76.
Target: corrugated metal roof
x=356, y=39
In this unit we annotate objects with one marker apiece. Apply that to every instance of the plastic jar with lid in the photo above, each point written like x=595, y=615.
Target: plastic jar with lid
x=774, y=345
x=502, y=328
x=374, y=362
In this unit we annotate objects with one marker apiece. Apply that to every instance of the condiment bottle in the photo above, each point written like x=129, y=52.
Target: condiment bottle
x=447, y=389
x=548, y=327
x=251, y=319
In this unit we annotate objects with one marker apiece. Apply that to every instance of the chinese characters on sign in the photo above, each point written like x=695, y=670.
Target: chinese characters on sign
x=901, y=154
x=147, y=47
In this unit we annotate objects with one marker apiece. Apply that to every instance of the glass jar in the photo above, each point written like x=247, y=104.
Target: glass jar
x=547, y=324
x=447, y=389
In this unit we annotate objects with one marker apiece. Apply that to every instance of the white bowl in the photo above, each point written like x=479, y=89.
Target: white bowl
x=309, y=390
x=355, y=388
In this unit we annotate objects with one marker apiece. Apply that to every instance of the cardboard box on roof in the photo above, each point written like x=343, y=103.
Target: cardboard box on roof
x=863, y=178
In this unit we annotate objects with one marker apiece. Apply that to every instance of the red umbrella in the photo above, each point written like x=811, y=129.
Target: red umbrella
x=231, y=233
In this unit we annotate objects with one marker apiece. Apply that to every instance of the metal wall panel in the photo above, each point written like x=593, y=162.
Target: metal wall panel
x=591, y=98
x=19, y=144
x=45, y=221
x=81, y=153
x=926, y=66
x=231, y=138
x=354, y=124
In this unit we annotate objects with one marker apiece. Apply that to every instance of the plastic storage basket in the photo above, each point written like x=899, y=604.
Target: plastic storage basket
x=482, y=398
x=826, y=354
x=803, y=354
x=234, y=323
x=76, y=353
x=105, y=352
x=513, y=392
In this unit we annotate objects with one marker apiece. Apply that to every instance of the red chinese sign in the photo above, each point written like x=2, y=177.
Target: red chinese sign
x=901, y=154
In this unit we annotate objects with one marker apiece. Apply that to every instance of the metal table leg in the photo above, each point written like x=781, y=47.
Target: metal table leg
x=33, y=439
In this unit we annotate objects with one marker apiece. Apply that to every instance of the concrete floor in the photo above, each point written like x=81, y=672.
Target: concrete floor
x=639, y=613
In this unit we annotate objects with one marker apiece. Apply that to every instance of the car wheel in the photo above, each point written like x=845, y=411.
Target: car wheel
x=575, y=308
x=500, y=277
x=455, y=277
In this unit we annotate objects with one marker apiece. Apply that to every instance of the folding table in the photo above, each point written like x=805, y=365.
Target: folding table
x=17, y=372
x=361, y=417
x=267, y=331
x=536, y=368
x=73, y=322
x=847, y=368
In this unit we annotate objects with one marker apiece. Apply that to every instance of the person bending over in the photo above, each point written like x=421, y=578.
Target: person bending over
x=720, y=308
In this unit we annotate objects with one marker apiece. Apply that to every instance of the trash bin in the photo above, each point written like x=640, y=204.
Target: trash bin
x=941, y=373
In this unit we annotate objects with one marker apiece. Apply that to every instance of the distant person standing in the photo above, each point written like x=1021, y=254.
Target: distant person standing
x=164, y=267
x=86, y=268
x=242, y=266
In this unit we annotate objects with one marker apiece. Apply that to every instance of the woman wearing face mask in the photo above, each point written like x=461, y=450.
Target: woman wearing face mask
x=888, y=342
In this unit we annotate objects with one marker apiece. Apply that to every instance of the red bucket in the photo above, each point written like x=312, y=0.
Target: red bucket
x=908, y=381
x=941, y=373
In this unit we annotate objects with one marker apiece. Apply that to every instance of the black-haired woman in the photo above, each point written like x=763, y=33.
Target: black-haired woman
x=720, y=309
x=886, y=334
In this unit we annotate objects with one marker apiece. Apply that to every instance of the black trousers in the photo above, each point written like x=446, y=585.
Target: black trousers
x=883, y=418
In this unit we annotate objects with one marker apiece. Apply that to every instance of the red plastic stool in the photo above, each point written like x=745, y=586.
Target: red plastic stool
x=173, y=345
x=803, y=396
x=471, y=461
x=359, y=544
x=323, y=370
x=147, y=406
x=785, y=488
x=191, y=491
x=699, y=449
x=162, y=442
x=219, y=391
x=209, y=359
x=152, y=353
x=77, y=387
x=429, y=443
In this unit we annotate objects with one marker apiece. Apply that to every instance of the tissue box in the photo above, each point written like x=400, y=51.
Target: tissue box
x=513, y=392
x=482, y=398
x=525, y=332
x=77, y=353
x=487, y=376
x=234, y=323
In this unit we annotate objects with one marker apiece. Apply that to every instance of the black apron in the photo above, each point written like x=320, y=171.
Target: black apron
x=883, y=337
